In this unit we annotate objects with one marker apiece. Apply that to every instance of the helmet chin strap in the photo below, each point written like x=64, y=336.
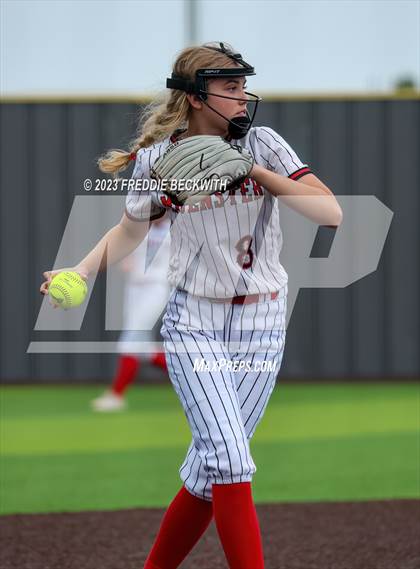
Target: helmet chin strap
x=238, y=126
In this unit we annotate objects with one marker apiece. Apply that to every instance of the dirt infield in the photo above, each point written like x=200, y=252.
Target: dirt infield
x=363, y=535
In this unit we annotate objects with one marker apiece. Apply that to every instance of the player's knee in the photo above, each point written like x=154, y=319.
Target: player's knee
x=233, y=465
x=234, y=475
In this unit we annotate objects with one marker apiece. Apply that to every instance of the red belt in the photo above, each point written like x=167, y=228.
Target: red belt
x=247, y=298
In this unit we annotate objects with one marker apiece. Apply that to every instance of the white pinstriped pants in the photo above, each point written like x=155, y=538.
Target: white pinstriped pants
x=223, y=407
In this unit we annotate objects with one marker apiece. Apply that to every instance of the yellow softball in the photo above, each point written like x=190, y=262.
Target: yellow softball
x=67, y=289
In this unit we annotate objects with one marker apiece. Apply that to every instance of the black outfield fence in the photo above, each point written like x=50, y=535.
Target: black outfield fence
x=364, y=146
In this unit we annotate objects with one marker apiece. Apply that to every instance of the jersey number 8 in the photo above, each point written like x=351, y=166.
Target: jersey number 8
x=245, y=255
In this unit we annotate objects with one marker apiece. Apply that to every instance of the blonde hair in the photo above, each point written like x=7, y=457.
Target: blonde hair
x=168, y=112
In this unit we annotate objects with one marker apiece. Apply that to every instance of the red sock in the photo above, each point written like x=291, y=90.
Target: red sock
x=237, y=524
x=183, y=524
x=159, y=360
x=126, y=373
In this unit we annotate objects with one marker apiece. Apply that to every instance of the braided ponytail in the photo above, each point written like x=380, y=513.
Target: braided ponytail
x=158, y=121
x=166, y=114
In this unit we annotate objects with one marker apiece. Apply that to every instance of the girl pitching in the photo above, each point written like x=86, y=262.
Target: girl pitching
x=224, y=326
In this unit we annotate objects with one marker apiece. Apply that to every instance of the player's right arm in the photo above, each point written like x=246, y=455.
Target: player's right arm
x=116, y=244
x=121, y=240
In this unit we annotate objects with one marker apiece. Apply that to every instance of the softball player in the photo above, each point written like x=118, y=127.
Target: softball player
x=224, y=327
x=145, y=297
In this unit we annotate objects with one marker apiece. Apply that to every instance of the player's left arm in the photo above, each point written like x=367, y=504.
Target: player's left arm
x=282, y=173
x=313, y=181
x=308, y=195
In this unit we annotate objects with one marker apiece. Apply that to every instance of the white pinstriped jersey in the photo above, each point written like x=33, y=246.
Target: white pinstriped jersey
x=227, y=244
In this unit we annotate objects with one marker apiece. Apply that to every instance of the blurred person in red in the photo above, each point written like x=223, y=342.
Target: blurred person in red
x=145, y=296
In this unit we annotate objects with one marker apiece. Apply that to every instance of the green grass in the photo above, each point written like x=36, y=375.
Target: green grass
x=316, y=442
